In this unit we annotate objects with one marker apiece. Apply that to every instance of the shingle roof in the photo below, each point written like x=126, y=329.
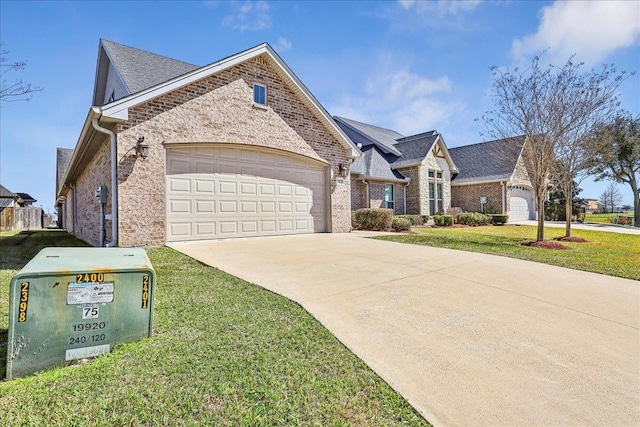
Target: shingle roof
x=365, y=134
x=140, y=69
x=491, y=160
x=414, y=148
x=26, y=198
x=62, y=164
x=4, y=192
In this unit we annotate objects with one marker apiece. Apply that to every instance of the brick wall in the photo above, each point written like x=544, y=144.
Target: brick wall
x=467, y=197
x=217, y=109
x=358, y=194
x=413, y=189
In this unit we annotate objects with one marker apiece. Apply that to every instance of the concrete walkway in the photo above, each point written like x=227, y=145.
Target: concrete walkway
x=466, y=338
x=611, y=228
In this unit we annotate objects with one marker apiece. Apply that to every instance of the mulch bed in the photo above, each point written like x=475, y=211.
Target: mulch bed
x=546, y=244
x=572, y=239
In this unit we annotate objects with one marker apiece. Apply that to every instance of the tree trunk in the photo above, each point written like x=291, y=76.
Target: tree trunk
x=636, y=206
x=540, y=234
x=568, y=208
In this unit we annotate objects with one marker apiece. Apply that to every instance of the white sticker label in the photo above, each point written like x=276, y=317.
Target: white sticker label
x=90, y=312
x=89, y=293
x=86, y=352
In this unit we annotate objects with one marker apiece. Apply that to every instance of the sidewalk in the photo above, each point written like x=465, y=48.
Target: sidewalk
x=623, y=229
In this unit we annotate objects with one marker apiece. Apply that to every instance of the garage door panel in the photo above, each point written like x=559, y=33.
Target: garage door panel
x=220, y=193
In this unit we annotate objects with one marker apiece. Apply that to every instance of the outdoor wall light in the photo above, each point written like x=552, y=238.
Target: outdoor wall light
x=142, y=149
x=342, y=170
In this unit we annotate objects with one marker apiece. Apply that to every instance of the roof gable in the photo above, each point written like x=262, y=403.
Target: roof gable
x=4, y=192
x=491, y=160
x=124, y=70
x=118, y=110
x=366, y=134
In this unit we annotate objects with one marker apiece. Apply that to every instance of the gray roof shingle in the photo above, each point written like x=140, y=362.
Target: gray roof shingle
x=62, y=164
x=140, y=69
x=365, y=134
x=4, y=192
x=414, y=148
x=491, y=160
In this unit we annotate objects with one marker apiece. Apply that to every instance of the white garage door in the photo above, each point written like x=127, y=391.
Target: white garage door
x=521, y=203
x=223, y=192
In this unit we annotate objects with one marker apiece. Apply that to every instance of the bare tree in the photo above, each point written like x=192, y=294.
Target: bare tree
x=610, y=197
x=615, y=155
x=553, y=108
x=16, y=89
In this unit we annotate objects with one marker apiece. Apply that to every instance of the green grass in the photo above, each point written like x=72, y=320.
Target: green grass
x=607, y=253
x=604, y=218
x=224, y=352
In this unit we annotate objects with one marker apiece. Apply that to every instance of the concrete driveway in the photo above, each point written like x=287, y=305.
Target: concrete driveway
x=466, y=338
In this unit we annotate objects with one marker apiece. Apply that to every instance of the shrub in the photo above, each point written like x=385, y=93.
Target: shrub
x=413, y=219
x=425, y=218
x=443, y=220
x=401, y=224
x=473, y=218
x=373, y=218
x=453, y=211
x=499, y=218
x=354, y=223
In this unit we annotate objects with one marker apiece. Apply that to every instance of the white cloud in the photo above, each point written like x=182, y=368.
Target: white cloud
x=590, y=29
x=252, y=16
x=401, y=100
x=282, y=44
x=441, y=7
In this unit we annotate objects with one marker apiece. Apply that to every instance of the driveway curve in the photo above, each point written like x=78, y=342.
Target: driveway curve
x=466, y=338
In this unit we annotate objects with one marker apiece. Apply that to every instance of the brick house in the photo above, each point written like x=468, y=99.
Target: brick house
x=236, y=148
x=494, y=170
x=411, y=175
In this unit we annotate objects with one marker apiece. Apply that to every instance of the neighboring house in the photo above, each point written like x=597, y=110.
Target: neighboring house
x=236, y=148
x=63, y=205
x=494, y=170
x=593, y=206
x=411, y=175
x=17, y=212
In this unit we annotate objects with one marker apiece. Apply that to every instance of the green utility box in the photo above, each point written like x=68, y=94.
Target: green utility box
x=77, y=303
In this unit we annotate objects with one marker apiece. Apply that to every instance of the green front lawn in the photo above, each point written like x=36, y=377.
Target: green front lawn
x=604, y=218
x=607, y=253
x=224, y=352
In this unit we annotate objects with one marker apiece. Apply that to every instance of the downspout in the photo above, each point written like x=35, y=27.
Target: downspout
x=114, y=183
x=366, y=186
x=405, y=197
x=502, y=185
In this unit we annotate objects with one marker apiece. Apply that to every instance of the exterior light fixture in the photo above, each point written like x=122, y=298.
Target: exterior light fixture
x=342, y=170
x=142, y=149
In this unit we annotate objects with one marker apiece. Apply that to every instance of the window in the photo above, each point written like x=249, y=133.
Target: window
x=259, y=94
x=436, y=192
x=388, y=196
x=432, y=199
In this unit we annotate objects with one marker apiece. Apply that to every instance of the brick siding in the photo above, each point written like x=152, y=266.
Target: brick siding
x=217, y=109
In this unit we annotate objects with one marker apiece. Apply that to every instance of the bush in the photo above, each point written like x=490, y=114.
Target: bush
x=413, y=219
x=499, y=218
x=401, y=224
x=354, y=223
x=473, y=218
x=425, y=218
x=373, y=218
x=443, y=220
x=453, y=211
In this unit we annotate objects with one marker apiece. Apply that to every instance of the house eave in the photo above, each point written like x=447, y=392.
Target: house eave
x=118, y=110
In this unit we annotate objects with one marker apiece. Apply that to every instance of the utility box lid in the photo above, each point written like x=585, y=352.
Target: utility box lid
x=76, y=303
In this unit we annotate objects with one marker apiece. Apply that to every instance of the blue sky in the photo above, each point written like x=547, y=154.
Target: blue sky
x=410, y=66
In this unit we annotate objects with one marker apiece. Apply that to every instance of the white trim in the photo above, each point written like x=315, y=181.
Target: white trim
x=115, y=109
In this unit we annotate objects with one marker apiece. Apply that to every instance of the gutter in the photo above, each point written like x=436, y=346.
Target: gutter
x=114, y=182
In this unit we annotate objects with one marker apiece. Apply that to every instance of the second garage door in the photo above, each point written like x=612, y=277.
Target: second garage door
x=521, y=204
x=222, y=192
